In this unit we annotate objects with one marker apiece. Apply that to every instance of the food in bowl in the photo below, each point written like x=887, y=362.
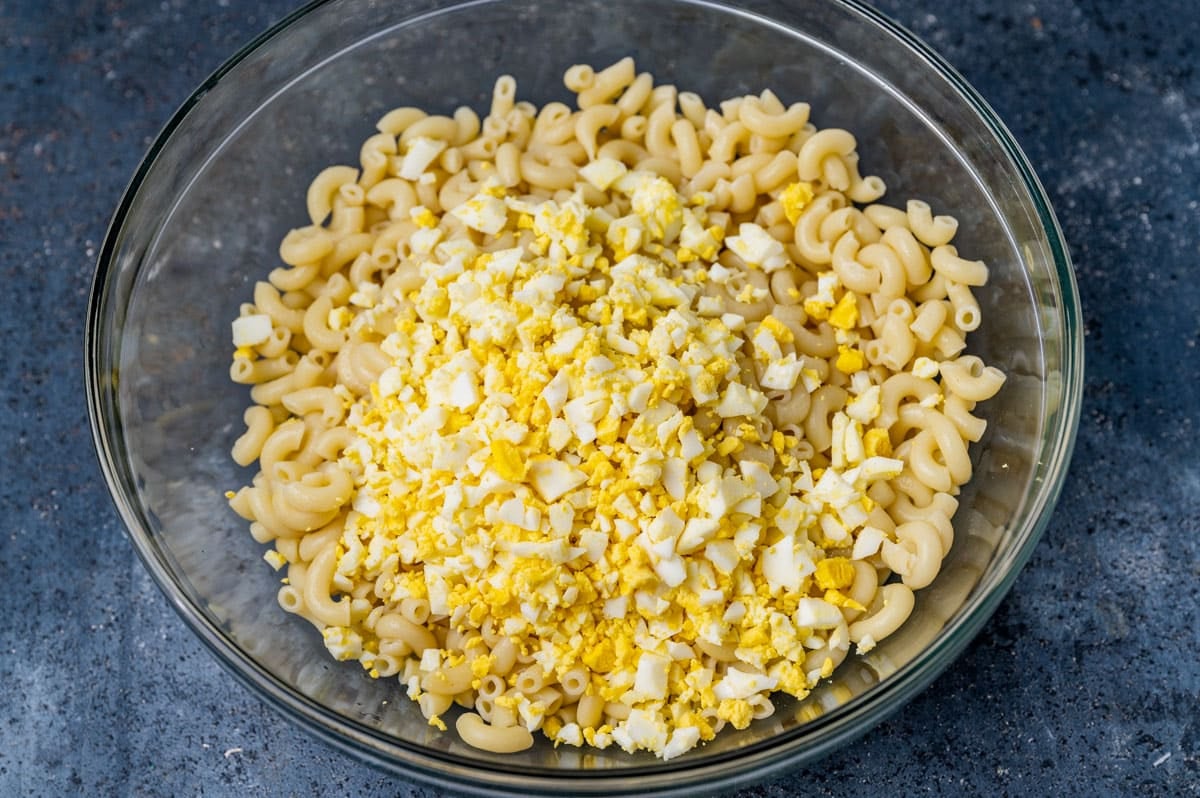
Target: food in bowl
x=611, y=422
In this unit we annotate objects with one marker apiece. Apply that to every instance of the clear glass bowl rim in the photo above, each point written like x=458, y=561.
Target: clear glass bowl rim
x=758, y=761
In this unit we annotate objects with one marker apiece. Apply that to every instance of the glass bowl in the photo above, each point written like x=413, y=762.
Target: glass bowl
x=204, y=214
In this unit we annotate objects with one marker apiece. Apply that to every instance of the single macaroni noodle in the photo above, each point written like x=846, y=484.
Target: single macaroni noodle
x=608, y=422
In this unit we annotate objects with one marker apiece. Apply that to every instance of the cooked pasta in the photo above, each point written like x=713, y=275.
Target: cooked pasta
x=608, y=422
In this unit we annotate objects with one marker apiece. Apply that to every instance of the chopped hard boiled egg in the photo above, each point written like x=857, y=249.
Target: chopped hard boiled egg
x=251, y=330
x=421, y=153
x=609, y=489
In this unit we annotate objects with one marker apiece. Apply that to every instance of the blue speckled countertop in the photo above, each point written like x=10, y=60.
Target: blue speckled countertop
x=1085, y=682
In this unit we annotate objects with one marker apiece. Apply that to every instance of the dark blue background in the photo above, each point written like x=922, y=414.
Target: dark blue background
x=1084, y=683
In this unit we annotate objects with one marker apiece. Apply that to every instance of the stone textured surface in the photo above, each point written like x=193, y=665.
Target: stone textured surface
x=1086, y=681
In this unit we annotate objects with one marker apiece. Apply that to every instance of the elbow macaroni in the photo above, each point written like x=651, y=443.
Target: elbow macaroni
x=608, y=423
